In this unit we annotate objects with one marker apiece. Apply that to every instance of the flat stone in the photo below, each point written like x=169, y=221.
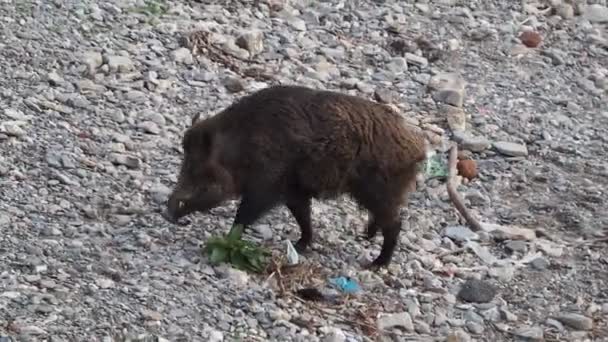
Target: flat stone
x=252, y=41
x=471, y=142
x=511, y=149
x=397, y=65
x=540, y=264
x=458, y=335
x=455, y=116
x=119, y=63
x=92, y=59
x=126, y=160
x=517, y=246
x=448, y=88
x=335, y=335
x=460, y=233
x=400, y=319
x=416, y=60
x=530, y=333
x=596, y=13
x=182, y=55
x=575, y=321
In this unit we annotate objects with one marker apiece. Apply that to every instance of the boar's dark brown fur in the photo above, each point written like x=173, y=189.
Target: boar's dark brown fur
x=289, y=144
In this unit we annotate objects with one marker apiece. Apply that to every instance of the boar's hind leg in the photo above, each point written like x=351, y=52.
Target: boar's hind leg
x=390, y=222
x=253, y=205
x=382, y=197
x=299, y=206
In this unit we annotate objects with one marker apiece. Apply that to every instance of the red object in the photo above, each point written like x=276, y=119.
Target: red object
x=530, y=39
x=467, y=168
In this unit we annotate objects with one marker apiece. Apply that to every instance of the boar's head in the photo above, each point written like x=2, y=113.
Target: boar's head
x=202, y=183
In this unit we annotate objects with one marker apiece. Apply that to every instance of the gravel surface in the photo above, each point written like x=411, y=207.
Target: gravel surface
x=94, y=98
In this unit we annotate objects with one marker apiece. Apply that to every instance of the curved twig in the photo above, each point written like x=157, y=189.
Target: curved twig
x=454, y=196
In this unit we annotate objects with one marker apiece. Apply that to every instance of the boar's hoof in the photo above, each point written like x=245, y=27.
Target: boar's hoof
x=302, y=246
x=170, y=218
x=376, y=264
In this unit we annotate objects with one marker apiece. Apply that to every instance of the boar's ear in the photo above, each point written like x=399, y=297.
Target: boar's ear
x=197, y=140
x=195, y=118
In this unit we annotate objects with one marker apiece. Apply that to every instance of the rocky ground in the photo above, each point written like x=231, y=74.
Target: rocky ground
x=95, y=97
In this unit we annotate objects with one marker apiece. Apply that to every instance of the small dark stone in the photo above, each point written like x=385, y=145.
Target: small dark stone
x=233, y=84
x=477, y=291
x=540, y=263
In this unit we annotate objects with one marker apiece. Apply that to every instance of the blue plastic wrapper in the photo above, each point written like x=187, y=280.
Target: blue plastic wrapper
x=345, y=284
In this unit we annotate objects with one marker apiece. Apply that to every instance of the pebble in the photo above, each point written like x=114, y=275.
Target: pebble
x=458, y=335
x=120, y=64
x=517, y=246
x=597, y=13
x=460, y=233
x=540, y=264
x=92, y=59
x=335, y=335
x=104, y=283
x=400, y=319
x=575, y=321
x=252, y=41
x=511, y=149
x=126, y=160
x=93, y=111
x=471, y=142
x=530, y=333
x=474, y=327
x=448, y=88
x=478, y=291
x=182, y=55
x=455, y=116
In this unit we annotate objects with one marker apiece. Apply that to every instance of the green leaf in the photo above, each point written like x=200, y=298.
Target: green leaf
x=236, y=231
x=238, y=260
x=218, y=255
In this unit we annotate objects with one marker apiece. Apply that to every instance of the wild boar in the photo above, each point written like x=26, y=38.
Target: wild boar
x=290, y=144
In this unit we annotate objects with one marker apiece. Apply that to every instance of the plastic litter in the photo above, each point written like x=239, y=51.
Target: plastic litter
x=345, y=284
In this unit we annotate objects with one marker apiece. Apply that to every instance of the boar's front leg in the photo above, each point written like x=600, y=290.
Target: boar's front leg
x=252, y=206
x=299, y=206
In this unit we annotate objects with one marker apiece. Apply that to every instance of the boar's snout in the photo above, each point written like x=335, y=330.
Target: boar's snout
x=177, y=207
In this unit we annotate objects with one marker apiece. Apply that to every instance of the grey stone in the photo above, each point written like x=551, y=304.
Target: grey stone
x=540, y=263
x=517, y=246
x=596, y=13
x=150, y=127
x=335, y=335
x=566, y=11
x=92, y=59
x=119, y=64
x=182, y=55
x=252, y=41
x=397, y=65
x=455, y=116
x=474, y=327
x=416, y=60
x=575, y=321
x=530, y=333
x=460, y=233
x=478, y=291
x=422, y=327
x=400, y=319
x=126, y=160
x=448, y=88
x=458, y=335
x=511, y=149
x=471, y=142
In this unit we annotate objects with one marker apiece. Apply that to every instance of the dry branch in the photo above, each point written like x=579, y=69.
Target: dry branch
x=454, y=196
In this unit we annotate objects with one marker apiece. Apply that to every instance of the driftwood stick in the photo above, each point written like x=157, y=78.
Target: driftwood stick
x=454, y=196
